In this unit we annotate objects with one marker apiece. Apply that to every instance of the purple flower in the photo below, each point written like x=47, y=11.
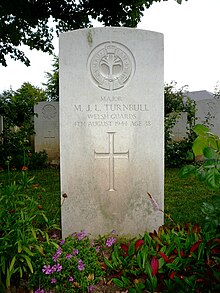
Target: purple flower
x=39, y=290
x=113, y=232
x=71, y=279
x=75, y=251
x=98, y=248
x=47, y=270
x=92, y=243
x=53, y=269
x=110, y=241
x=53, y=281
x=58, y=267
x=62, y=242
x=57, y=254
x=91, y=288
x=68, y=256
x=54, y=236
x=81, y=265
x=81, y=235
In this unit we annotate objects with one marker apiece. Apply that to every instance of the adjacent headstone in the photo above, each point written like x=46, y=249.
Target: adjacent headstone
x=208, y=113
x=46, y=125
x=179, y=131
x=111, y=130
x=207, y=109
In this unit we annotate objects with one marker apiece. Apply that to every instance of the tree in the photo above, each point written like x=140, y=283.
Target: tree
x=17, y=107
x=52, y=84
x=27, y=22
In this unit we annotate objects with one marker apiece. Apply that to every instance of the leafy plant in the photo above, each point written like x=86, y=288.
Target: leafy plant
x=71, y=266
x=21, y=235
x=17, y=108
x=207, y=146
x=177, y=153
x=174, y=259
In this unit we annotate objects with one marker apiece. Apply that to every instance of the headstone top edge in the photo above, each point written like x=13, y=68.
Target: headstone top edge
x=116, y=29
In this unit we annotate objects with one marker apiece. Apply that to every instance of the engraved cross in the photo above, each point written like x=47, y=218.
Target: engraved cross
x=111, y=155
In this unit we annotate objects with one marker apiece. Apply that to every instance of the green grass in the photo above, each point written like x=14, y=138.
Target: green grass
x=183, y=197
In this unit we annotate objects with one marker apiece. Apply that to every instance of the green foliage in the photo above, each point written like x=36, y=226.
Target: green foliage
x=52, y=84
x=71, y=266
x=37, y=160
x=21, y=235
x=172, y=260
x=177, y=153
x=206, y=145
x=27, y=22
x=17, y=108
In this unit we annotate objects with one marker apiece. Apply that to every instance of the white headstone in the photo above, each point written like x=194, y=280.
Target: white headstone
x=208, y=113
x=179, y=130
x=111, y=130
x=46, y=126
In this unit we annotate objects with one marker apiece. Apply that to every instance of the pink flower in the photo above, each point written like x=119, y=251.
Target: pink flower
x=81, y=265
x=110, y=241
x=81, y=235
x=47, y=270
x=71, y=279
x=75, y=251
x=154, y=265
x=53, y=281
x=68, y=256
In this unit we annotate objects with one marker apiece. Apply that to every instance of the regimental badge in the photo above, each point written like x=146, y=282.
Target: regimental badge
x=111, y=65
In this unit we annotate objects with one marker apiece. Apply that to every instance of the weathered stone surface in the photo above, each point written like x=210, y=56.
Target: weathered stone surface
x=111, y=130
x=46, y=125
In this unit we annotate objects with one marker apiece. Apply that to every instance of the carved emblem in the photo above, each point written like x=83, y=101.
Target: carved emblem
x=49, y=112
x=111, y=65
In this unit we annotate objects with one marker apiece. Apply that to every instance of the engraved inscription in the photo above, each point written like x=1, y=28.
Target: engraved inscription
x=111, y=65
x=49, y=112
x=111, y=155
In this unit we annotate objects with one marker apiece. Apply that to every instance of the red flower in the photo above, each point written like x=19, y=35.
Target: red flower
x=124, y=247
x=163, y=255
x=139, y=243
x=172, y=275
x=195, y=246
x=154, y=265
x=24, y=168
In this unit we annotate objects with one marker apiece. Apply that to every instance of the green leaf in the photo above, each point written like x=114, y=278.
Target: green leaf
x=213, y=178
x=27, y=250
x=11, y=267
x=199, y=144
x=28, y=261
x=125, y=281
x=187, y=171
x=201, y=129
x=131, y=249
x=118, y=282
x=8, y=278
x=201, y=250
x=209, y=153
x=107, y=262
x=19, y=247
